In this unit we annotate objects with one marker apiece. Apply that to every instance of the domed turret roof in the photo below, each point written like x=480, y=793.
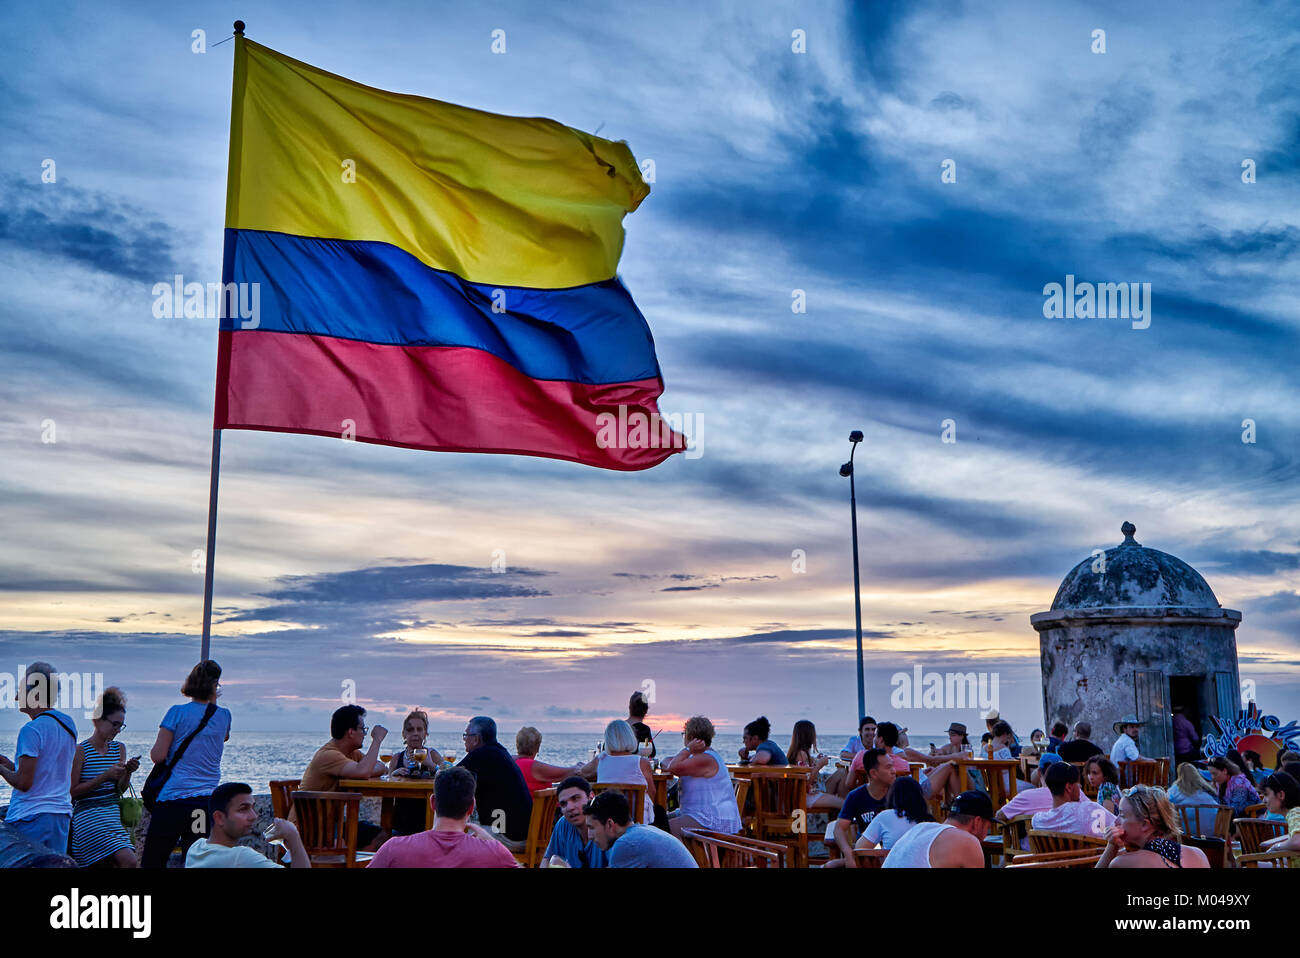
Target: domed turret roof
x=1134, y=576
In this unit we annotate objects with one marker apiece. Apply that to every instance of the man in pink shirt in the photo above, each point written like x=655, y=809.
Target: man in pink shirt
x=452, y=842
x=1071, y=811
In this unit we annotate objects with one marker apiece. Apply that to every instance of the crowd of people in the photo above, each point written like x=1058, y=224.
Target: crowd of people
x=67, y=794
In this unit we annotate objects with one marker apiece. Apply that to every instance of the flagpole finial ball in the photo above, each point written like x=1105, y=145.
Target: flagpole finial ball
x=239, y=28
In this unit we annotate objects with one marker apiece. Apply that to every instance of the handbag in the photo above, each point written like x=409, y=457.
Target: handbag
x=159, y=774
x=132, y=809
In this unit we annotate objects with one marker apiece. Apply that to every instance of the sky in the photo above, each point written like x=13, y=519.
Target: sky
x=723, y=583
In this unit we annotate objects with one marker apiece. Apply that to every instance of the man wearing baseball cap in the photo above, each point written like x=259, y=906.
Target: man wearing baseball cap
x=956, y=843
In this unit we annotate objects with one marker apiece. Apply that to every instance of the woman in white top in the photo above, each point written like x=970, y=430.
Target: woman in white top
x=904, y=807
x=706, y=795
x=621, y=763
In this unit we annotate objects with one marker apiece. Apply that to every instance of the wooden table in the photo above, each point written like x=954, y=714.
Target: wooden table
x=660, y=796
x=389, y=789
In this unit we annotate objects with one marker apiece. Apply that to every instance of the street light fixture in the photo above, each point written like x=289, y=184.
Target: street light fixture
x=846, y=470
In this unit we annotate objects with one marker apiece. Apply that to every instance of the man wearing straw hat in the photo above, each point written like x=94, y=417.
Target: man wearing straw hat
x=1125, y=748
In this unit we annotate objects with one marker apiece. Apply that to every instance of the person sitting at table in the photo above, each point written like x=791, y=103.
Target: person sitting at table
x=637, y=707
x=537, y=774
x=886, y=741
x=862, y=805
x=1282, y=793
x=865, y=739
x=453, y=841
x=233, y=816
x=1036, y=743
x=1146, y=834
x=629, y=845
x=803, y=745
x=1125, y=748
x=621, y=762
x=1234, y=788
x=1071, y=810
x=1056, y=737
x=1103, y=777
x=992, y=718
x=759, y=749
x=1081, y=747
x=706, y=797
x=409, y=813
x=955, y=843
x=1027, y=801
x=1191, y=790
x=904, y=807
x=341, y=758
x=571, y=844
x=940, y=777
x=501, y=794
x=1005, y=749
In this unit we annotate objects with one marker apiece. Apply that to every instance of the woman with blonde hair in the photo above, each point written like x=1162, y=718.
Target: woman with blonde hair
x=705, y=792
x=538, y=775
x=1146, y=834
x=100, y=773
x=622, y=763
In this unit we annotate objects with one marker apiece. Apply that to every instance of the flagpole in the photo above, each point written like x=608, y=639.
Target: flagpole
x=212, y=543
x=214, y=477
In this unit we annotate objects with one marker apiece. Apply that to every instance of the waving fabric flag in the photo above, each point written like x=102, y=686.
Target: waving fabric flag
x=429, y=275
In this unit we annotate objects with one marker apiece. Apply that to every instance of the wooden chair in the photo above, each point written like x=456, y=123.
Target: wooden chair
x=282, y=790
x=718, y=850
x=914, y=769
x=999, y=778
x=741, y=784
x=1274, y=858
x=1206, y=821
x=1162, y=773
x=327, y=822
x=635, y=795
x=541, y=822
x=1087, y=858
x=1258, y=810
x=1253, y=832
x=1141, y=772
x=870, y=857
x=1043, y=840
x=1014, y=832
x=781, y=808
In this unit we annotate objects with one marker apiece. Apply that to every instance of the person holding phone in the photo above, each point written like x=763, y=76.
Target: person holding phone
x=100, y=772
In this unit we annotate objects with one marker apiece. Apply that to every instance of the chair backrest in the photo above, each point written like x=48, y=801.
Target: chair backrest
x=635, y=795
x=1043, y=840
x=741, y=784
x=1143, y=771
x=1162, y=773
x=781, y=807
x=1013, y=834
x=541, y=822
x=717, y=850
x=327, y=822
x=1216, y=849
x=1258, y=810
x=914, y=769
x=870, y=857
x=1253, y=831
x=282, y=790
x=1086, y=858
x=1206, y=821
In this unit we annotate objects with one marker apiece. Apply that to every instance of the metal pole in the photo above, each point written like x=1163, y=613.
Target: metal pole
x=857, y=599
x=209, y=562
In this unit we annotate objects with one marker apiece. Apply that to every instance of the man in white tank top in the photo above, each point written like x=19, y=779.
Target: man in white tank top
x=956, y=843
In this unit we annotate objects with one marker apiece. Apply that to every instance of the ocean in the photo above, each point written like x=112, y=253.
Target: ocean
x=258, y=757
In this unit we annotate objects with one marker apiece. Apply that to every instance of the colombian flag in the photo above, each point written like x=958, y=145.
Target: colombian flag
x=429, y=275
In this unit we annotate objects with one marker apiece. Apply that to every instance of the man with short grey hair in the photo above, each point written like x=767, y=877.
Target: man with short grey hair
x=1079, y=748
x=501, y=795
x=41, y=806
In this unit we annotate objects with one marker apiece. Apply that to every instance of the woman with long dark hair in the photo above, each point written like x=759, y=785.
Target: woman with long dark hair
x=803, y=751
x=905, y=806
x=180, y=810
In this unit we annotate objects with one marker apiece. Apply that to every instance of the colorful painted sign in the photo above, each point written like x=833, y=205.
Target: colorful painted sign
x=1252, y=732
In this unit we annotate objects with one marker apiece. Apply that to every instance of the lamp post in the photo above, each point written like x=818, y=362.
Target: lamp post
x=855, y=437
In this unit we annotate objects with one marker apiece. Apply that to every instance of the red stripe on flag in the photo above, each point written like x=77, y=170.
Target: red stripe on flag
x=447, y=398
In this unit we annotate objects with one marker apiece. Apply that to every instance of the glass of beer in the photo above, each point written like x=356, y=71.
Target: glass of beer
x=386, y=758
x=419, y=754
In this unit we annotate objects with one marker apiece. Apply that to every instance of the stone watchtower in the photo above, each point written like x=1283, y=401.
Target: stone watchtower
x=1136, y=631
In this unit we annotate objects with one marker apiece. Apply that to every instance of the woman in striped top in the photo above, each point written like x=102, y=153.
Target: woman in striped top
x=100, y=772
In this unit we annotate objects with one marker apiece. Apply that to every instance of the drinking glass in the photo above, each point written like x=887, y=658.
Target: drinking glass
x=419, y=754
x=272, y=835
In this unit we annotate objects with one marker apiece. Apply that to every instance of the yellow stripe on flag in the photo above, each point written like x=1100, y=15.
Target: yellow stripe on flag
x=493, y=199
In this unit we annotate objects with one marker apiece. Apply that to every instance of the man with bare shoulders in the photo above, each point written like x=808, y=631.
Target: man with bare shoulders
x=1146, y=833
x=956, y=843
